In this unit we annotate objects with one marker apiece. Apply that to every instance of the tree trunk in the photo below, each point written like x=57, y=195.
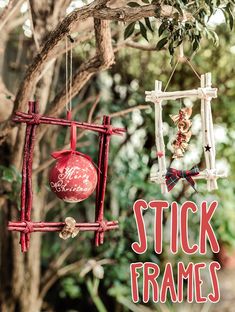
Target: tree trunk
x=20, y=273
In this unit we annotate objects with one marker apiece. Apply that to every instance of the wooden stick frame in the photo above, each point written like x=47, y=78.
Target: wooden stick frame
x=206, y=93
x=25, y=226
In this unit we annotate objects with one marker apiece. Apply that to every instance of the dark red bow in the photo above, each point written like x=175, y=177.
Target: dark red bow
x=65, y=154
x=174, y=175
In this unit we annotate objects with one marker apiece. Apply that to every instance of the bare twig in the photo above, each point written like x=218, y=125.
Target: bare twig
x=9, y=11
x=130, y=110
x=140, y=46
x=91, y=112
x=32, y=26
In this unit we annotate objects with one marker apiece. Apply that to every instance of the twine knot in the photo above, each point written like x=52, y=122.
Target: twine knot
x=210, y=173
x=28, y=227
x=109, y=130
x=102, y=226
x=35, y=118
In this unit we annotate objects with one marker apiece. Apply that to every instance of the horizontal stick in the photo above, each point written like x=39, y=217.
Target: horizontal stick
x=58, y=229
x=28, y=118
x=153, y=96
x=201, y=175
x=42, y=224
x=58, y=226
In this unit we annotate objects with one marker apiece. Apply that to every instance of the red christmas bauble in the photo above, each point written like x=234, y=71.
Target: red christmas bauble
x=73, y=178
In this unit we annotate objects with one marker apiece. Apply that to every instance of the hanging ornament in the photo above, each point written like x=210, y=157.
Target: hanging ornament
x=183, y=123
x=73, y=178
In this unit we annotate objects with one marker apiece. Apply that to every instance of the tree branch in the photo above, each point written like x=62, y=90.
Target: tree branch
x=139, y=46
x=32, y=26
x=130, y=110
x=103, y=59
x=96, y=10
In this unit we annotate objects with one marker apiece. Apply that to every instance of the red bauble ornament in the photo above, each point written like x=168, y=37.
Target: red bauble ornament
x=74, y=177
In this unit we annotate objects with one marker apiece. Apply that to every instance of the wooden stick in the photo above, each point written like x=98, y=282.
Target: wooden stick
x=58, y=229
x=160, y=146
x=205, y=130
x=202, y=175
x=28, y=118
x=35, y=109
x=103, y=163
x=100, y=181
x=200, y=93
x=99, y=174
x=208, y=135
x=213, y=182
x=57, y=224
x=25, y=179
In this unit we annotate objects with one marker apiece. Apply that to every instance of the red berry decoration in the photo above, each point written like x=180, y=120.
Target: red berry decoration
x=74, y=177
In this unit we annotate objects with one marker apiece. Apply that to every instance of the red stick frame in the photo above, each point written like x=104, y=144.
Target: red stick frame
x=26, y=226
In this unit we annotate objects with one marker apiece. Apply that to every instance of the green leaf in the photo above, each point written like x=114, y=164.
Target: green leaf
x=171, y=48
x=145, y=1
x=148, y=24
x=143, y=31
x=213, y=35
x=129, y=30
x=161, y=43
x=162, y=27
x=133, y=4
x=195, y=45
x=8, y=175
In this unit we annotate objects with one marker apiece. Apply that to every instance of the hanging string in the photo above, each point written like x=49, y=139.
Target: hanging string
x=71, y=77
x=171, y=75
x=182, y=59
x=66, y=72
x=193, y=68
x=68, y=76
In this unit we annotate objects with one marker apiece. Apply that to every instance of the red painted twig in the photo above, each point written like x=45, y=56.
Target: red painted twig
x=35, y=109
x=24, y=179
x=29, y=118
x=28, y=227
x=103, y=163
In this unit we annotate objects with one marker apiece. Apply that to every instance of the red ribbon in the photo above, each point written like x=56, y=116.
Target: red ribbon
x=65, y=154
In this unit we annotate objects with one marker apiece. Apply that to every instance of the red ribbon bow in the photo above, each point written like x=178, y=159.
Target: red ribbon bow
x=65, y=154
x=174, y=175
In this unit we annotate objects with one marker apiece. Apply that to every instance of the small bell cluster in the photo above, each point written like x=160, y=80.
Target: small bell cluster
x=183, y=123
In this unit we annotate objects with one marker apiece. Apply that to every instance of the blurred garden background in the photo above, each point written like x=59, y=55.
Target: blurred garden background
x=73, y=275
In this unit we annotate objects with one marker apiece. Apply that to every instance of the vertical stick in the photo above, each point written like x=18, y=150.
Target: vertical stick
x=24, y=179
x=204, y=130
x=100, y=163
x=159, y=136
x=207, y=128
x=213, y=182
x=103, y=166
x=35, y=109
